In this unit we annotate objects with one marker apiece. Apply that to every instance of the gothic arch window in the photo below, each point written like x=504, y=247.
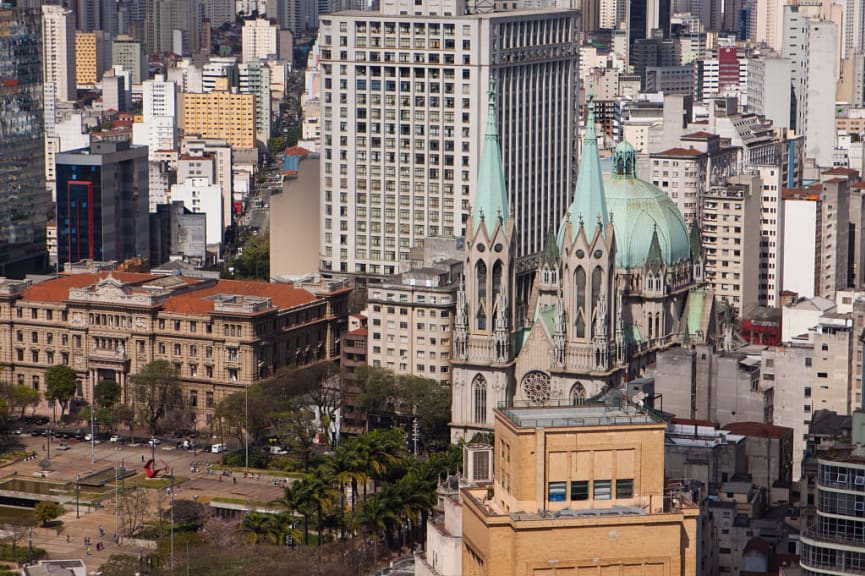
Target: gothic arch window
x=578, y=394
x=479, y=391
x=649, y=325
x=580, y=281
x=497, y=279
x=545, y=274
x=657, y=325
x=597, y=276
x=536, y=386
x=481, y=280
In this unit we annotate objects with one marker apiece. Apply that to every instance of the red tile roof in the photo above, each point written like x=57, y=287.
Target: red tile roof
x=702, y=135
x=841, y=171
x=834, y=180
x=758, y=429
x=198, y=302
x=297, y=151
x=359, y=332
x=57, y=290
x=680, y=152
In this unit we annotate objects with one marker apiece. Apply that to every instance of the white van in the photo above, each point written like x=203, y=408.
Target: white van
x=218, y=448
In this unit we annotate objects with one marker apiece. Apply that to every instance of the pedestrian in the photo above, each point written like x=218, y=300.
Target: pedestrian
x=234, y=480
x=142, y=458
x=100, y=531
x=88, y=551
x=220, y=478
x=67, y=538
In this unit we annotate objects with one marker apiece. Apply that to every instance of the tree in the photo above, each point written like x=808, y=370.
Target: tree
x=374, y=519
x=156, y=392
x=47, y=511
x=256, y=526
x=23, y=396
x=60, y=385
x=106, y=393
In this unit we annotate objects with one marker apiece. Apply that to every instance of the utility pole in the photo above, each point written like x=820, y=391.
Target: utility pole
x=77, y=495
x=246, y=429
x=92, y=420
x=172, y=519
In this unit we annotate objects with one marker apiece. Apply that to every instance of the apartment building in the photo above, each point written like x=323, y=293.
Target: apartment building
x=771, y=235
x=592, y=474
x=58, y=39
x=221, y=114
x=411, y=321
x=403, y=110
x=220, y=335
x=89, y=57
x=681, y=173
x=259, y=40
x=129, y=55
x=731, y=238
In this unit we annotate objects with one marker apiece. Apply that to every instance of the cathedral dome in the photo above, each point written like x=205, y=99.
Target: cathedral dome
x=639, y=210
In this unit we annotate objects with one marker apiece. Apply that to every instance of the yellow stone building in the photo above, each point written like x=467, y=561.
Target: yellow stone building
x=221, y=114
x=86, y=58
x=578, y=491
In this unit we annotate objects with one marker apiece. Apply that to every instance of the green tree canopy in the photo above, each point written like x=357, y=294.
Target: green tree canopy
x=23, y=396
x=48, y=511
x=106, y=393
x=156, y=392
x=60, y=385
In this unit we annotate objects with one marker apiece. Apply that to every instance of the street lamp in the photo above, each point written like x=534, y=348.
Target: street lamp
x=77, y=495
x=92, y=421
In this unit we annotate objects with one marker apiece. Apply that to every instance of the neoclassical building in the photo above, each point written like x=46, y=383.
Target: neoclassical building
x=621, y=279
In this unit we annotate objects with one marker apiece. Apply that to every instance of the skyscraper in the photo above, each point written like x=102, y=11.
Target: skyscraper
x=404, y=105
x=58, y=40
x=163, y=17
x=24, y=199
x=259, y=39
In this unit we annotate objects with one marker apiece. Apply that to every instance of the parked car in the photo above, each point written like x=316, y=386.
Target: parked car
x=116, y=438
x=154, y=442
x=63, y=446
x=88, y=437
x=218, y=448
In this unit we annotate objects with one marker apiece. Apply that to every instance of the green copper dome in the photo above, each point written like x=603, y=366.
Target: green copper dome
x=641, y=210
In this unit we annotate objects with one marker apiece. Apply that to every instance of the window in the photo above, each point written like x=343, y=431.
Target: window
x=162, y=347
x=208, y=352
x=193, y=398
x=208, y=399
x=479, y=388
x=624, y=488
x=177, y=349
x=557, y=492
x=231, y=354
x=177, y=325
x=35, y=382
x=34, y=355
x=580, y=490
x=603, y=489
x=193, y=370
x=193, y=326
x=208, y=370
x=232, y=374
x=161, y=324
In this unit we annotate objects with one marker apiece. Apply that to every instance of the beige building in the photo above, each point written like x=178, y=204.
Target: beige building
x=296, y=207
x=578, y=490
x=411, y=321
x=681, y=173
x=88, y=57
x=221, y=114
x=731, y=238
x=220, y=335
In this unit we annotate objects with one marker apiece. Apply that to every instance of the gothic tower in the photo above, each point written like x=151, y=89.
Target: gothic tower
x=483, y=351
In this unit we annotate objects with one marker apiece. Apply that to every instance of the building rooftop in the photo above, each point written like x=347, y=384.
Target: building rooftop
x=758, y=429
x=205, y=301
x=679, y=152
x=577, y=416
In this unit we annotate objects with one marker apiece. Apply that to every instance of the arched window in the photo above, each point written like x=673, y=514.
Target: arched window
x=657, y=325
x=479, y=390
x=578, y=394
x=597, y=276
x=497, y=279
x=580, y=281
x=481, y=279
x=649, y=325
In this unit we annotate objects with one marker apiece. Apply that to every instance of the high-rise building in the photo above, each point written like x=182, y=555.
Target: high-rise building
x=58, y=39
x=164, y=17
x=260, y=40
x=221, y=114
x=591, y=474
x=96, y=15
x=158, y=129
x=129, y=55
x=220, y=12
x=254, y=78
x=24, y=200
x=403, y=109
x=102, y=203
x=731, y=239
x=772, y=235
x=90, y=58
x=289, y=15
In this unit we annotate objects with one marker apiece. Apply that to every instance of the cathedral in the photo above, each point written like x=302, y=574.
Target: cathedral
x=620, y=280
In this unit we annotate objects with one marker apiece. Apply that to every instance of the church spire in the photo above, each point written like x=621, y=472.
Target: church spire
x=490, y=201
x=589, y=202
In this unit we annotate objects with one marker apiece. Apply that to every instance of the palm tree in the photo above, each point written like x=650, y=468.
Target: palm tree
x=346, y=466
x=256, y=526
x=296, y=498
x=375, y=518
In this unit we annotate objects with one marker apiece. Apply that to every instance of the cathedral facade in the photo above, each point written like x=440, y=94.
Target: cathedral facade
x=621, y=279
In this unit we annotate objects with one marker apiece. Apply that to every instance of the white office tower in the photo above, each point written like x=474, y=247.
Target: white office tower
x=254, y=78
x=811, y=45
x=404, y=103
x=259, y=40
x=218, y=67
x=158, y=130
x=771, y=235
x=58, y=42
x=853, y=33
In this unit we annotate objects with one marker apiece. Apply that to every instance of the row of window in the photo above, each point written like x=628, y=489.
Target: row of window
x=35, y=356
x=590, y=490
x=34, y=314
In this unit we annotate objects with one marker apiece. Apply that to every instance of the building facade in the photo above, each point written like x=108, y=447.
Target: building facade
x=221, y=114
x=404, y=105
x=220, y=336
x=259, y=40
x=24, y=200
x=58, y=39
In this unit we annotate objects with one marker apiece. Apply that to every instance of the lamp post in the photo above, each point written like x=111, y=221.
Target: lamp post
x=172, y=518
x=246, y=428
x=77, y=495
x=92, y=421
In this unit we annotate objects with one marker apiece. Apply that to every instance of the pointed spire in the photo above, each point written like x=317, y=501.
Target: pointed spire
x=491, y=196
x=589, y=198
x=655, y=258
x=550, y=254
x=696, y=240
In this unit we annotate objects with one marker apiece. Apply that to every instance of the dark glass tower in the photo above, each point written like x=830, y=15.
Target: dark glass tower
x=24, y=201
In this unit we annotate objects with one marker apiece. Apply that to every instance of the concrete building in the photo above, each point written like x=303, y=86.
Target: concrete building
x=220, y=12
x=296, y=207
x=353, y=347
x=416, y=118
x=102, y=203
x=220, y=335
x=177, y=232
x=772, y=228
x=802, y=224
x=200, y=196
x=731, y=239
x=411, y=321
x=158, y=128
x=259, y=40
x=254, y=78
x=221, y=114
x=681, y=173
x=24, y=200
x=588, y=474
x=58, y=48
x=165, y=19
x=129, y=55
x=90, y=61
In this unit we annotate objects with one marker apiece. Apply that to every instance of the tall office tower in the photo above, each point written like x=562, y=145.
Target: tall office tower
x=658, y=17
x=58, y=39
x=853, y=33
x=158, y=130
x=289, y=15
x=254, y=78
x=590, y=13
x=102, y=203
x=771, y=235
x=811, y=45
x=402, y=129
x=97, y=15
x=163, y=17
x=23, y=197
x=220, y=12
x=259, y=40
x=766, y=19
x=90, y=56
x=129, y=55
x=609, y=14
